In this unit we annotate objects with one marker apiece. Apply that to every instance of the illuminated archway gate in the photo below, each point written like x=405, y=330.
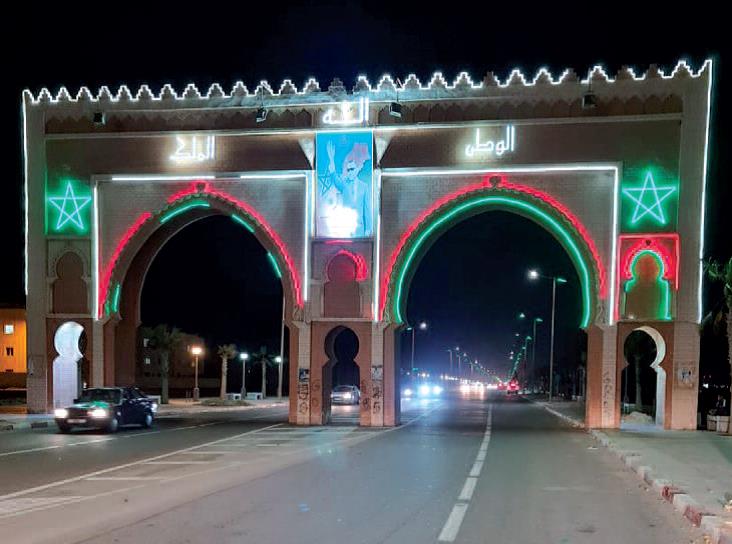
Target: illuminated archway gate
x=331, y=177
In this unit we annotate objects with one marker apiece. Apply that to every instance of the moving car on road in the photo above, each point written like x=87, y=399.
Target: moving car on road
x=107, y=408
x=345, y=394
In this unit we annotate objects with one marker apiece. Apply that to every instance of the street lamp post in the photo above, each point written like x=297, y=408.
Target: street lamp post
x=278, y=360
x=422, y=326
x=535, y=321
x=534, y=275
x=243, y=356
x=196, y=351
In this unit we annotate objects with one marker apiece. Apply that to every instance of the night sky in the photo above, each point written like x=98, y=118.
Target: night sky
x=472, y=283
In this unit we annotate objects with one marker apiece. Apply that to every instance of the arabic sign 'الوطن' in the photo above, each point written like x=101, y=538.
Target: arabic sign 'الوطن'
x=194, y=149
x=493, y=147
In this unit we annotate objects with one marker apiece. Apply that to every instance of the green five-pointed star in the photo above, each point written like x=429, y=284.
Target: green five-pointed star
x=648, y=199
x=69, y=207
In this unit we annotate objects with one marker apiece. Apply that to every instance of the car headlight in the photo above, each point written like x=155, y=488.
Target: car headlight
x=407, y=392
x=348, y=396
x=436, y=390
x=154, y=407
x=61, y=413
x=424, y=390
x=99, y=413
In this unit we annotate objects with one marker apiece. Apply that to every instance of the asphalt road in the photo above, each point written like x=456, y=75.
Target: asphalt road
x=465, y=470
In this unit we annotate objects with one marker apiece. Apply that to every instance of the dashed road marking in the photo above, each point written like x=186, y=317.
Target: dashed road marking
x=452, y=526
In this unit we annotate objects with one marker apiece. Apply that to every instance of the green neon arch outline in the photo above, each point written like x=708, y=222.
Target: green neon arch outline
x=665, y=313
x=522, y=207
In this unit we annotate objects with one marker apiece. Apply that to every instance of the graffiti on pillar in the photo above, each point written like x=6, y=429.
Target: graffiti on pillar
x=314, y=398
x=303, y=395
x=608, y=396
x=365, y=398
x=376, y=390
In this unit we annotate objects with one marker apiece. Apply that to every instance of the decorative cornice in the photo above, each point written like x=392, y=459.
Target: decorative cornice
x=653, y=80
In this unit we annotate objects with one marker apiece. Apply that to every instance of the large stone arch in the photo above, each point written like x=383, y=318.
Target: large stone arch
x=530, y=203
x=120, y=290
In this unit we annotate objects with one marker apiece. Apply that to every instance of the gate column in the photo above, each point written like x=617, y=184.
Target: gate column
x=601, y=409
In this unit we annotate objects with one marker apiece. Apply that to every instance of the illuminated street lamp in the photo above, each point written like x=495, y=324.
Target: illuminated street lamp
x=423, y=327
x=196, y=351
x=534, y=275
x=243, y=356
x=535, y=321
x=278, y=360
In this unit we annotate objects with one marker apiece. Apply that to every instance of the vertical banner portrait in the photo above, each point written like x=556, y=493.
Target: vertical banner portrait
x=344, y=164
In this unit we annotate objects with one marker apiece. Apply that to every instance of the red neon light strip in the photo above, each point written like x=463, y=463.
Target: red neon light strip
x=362, y=270
x=486, y=184
x=198, y=187
x=126, y=237
x=670, y=261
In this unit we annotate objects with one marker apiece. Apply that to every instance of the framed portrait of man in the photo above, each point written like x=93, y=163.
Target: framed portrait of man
x=344, y=199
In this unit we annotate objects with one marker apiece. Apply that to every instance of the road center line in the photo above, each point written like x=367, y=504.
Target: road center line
x=455, y=519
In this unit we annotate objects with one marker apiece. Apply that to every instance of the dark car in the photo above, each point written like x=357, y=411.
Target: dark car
x=107, y=408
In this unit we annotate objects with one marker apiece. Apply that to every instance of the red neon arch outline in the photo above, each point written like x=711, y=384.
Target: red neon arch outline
x=362, y=269
x=487, y=184
x=201, y=188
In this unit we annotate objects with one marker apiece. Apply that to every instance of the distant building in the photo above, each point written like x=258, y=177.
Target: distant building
x=181, y=366
x=12, y=347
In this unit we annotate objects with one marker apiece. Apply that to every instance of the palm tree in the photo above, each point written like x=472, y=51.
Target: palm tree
x=723, y=274
x=226, y=352
x=266, y=359
x=163, y=340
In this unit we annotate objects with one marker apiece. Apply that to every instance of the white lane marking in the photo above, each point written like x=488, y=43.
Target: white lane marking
x=467, y=492
x=213, y=452
x=122, y=437
x=177, y=462
x=11, y=506
x=125, y=478
x=126, y=465
x=454, y=521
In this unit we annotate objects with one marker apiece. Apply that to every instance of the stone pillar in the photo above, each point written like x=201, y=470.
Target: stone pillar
x=37, y=290
x=602, y=409
x=683, y=381
x=300, y=374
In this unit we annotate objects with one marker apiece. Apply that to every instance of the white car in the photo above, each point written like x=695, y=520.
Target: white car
x=345, y=394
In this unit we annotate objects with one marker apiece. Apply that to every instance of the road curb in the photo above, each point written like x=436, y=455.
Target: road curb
x=716, y=528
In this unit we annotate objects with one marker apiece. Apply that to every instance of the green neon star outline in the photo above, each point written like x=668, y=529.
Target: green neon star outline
x=77, y=203
x=657, y=195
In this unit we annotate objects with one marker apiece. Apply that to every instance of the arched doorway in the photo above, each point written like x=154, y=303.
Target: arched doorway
x=66, y=364
x=341, y=371
x=643, y=380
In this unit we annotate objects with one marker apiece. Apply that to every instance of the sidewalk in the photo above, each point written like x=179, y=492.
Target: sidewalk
x=690, y=469
x=176, y=407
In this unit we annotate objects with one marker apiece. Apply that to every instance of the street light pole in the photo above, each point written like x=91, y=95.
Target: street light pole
x=551, y=342
x=243, y=356
x=280, y=363
x=196, y=351
x=534, y=275
x=412, y=365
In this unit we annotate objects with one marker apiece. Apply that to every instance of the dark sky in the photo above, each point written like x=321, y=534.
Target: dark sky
x=72, y=45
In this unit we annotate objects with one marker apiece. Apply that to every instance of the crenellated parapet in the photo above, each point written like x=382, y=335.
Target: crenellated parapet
x=437, y=100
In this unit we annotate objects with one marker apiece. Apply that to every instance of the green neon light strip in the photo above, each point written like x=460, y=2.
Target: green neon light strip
x=188, y=206
x=274, y=264
x=243, y=223
x=115, y=298
x=664, y=312
x=530, y=210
